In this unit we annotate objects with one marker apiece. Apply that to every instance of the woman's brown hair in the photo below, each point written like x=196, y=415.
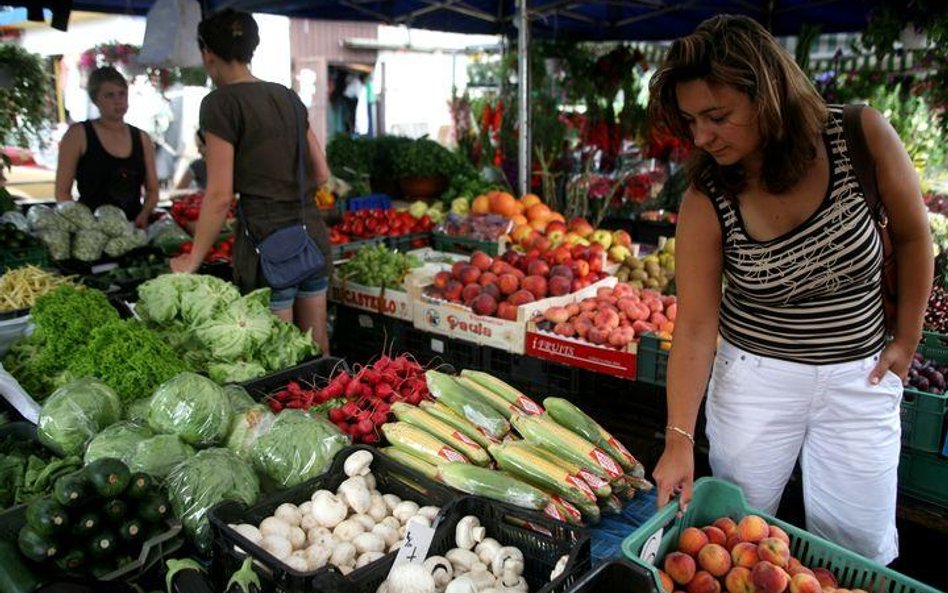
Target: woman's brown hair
x=99, y=76
x=739, y=52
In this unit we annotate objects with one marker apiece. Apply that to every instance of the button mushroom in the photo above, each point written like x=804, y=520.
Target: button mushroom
x=358, y=464
x=487, y=549
x=468, y=532
x=441, y=571
x=508, y=558
x=410, y=578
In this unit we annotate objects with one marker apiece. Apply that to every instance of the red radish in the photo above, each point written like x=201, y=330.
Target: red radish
x=371, y=376
x=353, y=389
x=336, y=415
x=365, y=426
x=370, y=439
x=350, y=409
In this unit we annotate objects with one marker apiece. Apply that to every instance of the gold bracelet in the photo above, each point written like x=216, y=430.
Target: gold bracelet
x=682, y=432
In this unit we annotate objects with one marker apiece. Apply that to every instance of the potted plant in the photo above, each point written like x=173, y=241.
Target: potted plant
x=424, y=168
x=24, y=95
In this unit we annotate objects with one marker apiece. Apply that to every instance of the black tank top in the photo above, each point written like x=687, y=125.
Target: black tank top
x=105, y=179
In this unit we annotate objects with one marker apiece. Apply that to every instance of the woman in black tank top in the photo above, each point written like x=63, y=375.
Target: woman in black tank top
x=89, y=154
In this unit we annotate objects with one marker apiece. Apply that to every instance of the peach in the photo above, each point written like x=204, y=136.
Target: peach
x=487, y=278
x=715, y=535
x=538, y=267
x=774, y=551
x=607, y=320
x=753, y=529
x=469, y=292
x=769, y=578
x=481, y=261
x=537, y=286
x=456, y=268
x=795, y=566
x=452, y=291
x=714, y=559
x=508, y=283
x=745, y=554
x=507, y=311
x=561, y=270
x=597, y=336
x=582, y=327
x=556, y=314
x=668, y=585
x=680, y=567
x=573, y=309
x=484, y=304
x=441, y=279
x=739, y=580
x=825, y=577
x=779, y=534
x=521, y=297
x=559, y=285
x=492, y=290
x=704, y=583
x=564, y=329
x=805, y=583
x=733, y=539
x=469, y=274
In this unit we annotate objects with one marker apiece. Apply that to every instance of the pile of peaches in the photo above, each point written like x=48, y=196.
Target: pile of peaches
x=746, y=557
x=497, y=286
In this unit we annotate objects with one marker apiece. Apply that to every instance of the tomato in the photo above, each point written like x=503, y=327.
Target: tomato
x=187, y=246
x=192, y=212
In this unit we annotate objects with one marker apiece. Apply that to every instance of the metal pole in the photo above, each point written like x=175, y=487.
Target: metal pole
x=523, y=96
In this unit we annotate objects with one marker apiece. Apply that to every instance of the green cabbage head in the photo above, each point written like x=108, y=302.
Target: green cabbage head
x=192, y=407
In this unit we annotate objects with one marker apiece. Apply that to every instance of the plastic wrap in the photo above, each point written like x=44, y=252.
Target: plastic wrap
x=117, y=246
x=75, y=413
x=137, y=410
x=200, y=482
x=17, y=219
x=192, y=407
x=78, y=215
x=297, y=447
x=111, y=221
x=59, y=243
x=87, y=244
x=43, y=218
x=239, y=399
x=166, y=235
x=446, y=388
x=246, y=427
x=158, y=455
x=118, y=441
x=488, y=483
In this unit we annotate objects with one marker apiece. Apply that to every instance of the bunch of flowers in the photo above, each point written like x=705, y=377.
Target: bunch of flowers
x=119, y=55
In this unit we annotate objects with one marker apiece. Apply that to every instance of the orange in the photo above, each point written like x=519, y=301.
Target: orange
x=480, y=205
x=504, y=204
x=539, y=212
x=530, y=200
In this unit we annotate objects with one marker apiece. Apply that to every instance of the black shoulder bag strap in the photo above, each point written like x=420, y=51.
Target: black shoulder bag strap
x=862, y=161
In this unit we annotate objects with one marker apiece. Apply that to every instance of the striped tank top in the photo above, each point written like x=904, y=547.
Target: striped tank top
x=813, y=294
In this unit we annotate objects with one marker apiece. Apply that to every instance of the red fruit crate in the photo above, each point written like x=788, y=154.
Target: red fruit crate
x=713, y=499
x=546, y=345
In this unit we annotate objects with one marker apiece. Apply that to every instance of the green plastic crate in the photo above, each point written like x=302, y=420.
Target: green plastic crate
x=409, y=241
x=714, y=498
x=652, y=359
x=923, y=414
x=465, y=245
x=924, y=476
x=36, y=255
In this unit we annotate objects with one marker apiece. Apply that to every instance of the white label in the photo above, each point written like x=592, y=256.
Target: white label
x=414, y=549
x=366, y=321
x=650, y=548
x=437, y=346
x=99, y=268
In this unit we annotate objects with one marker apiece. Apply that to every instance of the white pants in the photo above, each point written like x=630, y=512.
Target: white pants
x=762, y=413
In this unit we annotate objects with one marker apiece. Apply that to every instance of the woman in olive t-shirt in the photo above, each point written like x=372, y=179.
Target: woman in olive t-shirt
x=251, y=129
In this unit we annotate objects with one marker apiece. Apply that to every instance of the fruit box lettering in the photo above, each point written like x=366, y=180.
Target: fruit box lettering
x=476, y=328
x=365, y=300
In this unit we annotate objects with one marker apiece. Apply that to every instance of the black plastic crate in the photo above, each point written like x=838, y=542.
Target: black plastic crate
x=346, y=250
x=545, y=377
x=315, y=372
x=615, y=575
x=541, y=539
x=409, y=241
x=390, y=477
x=500, y=363
x=360, y=336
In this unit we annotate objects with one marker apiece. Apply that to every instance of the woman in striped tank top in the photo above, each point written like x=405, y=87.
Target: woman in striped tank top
x=774, y=213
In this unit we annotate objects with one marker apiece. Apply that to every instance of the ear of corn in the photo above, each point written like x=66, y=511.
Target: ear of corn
x=539, y=472
x=420, y=444
x=446, y=389
x=600, y=487
x=510, y=394
x=612, y=505
x=449, y=416
x=409, y=460
x=543, y=431
x=443, y=431
x=492, y=484
x=489, y=397
x=567, y=511
x=640, y=483
x=568, y=415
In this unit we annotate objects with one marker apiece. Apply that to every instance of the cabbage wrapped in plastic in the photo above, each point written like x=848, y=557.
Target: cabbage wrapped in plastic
x=59, y=243
x=297, y=447
x=111, y=220
x=77, y=214
x=119, y=441
x=239, y=330
x=246, y=427
x=158, y=455
x=137, y=411
x=200, y=482
x=166, y=235
x=44, y=218
x=117, y=246
x=87, y=244
x=192, y=407
x=75, y=413
x=239, y=399
x=17, y=219
x=234, y=372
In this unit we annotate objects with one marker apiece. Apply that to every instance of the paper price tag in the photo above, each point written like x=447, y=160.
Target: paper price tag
x=415, y=548
x=650, y=548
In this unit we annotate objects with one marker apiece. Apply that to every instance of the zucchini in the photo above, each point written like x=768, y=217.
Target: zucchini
x=15, y=574
x=70, y=490
x=114, y=510
x=46, y=516
x=87, y=524
x=104, y=545
x=153, y=509
x=140, y=485
x=73, y=560
x=108, y=476
x=36, y=547
x=488, y=483
x=131, y=531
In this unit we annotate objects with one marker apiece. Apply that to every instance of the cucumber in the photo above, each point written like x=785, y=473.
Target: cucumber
x=16, y=574
x=46, y=516
x=72, y=560
x=114, y=510
x=140, y=486
x=70, y=490
x=36, y=547
x=153, y=509
x=108, y=476
x=103, y=545
x=87, y=524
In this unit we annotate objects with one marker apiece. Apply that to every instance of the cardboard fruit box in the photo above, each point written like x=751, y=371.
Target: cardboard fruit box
x=391, y=302
x=455, y=320
x=544, y=344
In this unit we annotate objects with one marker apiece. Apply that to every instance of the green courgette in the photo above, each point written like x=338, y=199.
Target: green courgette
x=108, y=476
x=36, y=547
x=87, y=524
x=140, y=486
x=103, y=545
x=70, y=490
x=131, y=531
x=46, y=516
x=73, y=560
x=114, y=510
x=154, y=509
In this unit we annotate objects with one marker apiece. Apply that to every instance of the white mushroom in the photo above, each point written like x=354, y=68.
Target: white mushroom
x=391, y=522
x=418, y=519
x=507, y=558
x=356, y=494
x=358, y=463
x=487, y=549
x=345, y=569
x=318, y=556
x=405, y=511
x=441, y=571
x=391, y=501
x=277, y=545
x=289, y=513
x=511, y=580
x=560, y=567
x=344, y=554
x=368, y=558
x=251, y=533
x=480, y=566
x=348, y=530
x=468, y=532
x=378, y=510
x=368, y=542
x=398, y=544
x=429, y=512
x=306, y=508
x=319, y=535
x=329, y=510
x=370, y=482
x=482, y=579
x=275, y=526
x=318, y=494
x=297, y=538
x=308, y=522
x=461, y=584
x=297, y=563
x=461, y=559
x=387, y=533
x=410, y=578
x=367, y=522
